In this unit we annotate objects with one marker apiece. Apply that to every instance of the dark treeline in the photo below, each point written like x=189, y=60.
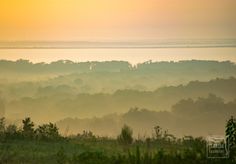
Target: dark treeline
x=44, y=144
x=62, y=66
x=28, y=131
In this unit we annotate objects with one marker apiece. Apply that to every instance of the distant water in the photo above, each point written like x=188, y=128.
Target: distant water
x=134, y=52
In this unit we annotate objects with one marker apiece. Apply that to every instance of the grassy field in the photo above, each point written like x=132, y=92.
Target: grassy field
x=104, y=151
x=44, y=144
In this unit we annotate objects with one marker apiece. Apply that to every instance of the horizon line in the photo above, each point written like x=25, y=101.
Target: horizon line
x=151, y=44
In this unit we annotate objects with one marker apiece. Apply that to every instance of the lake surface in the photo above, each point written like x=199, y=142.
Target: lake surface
x=134, y=52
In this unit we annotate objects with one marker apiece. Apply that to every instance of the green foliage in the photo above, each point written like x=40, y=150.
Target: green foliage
x=92, y=157
x=231, y=136
x=2, y=128
x=125, y=137
x=2, y=106
x=231, y=132
x=138, y=155
x=157, y=132
x=86, y=148
x=47, y=131
x=61, y=156
x=6, y=155
x=2, y=125
x=164, y=136
x=76, y=151
x=86, y=135
x=12, y=131
x=28, y=130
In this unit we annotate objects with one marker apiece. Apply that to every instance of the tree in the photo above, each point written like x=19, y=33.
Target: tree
x=2, y=125
x=231, y=137
x=126, y=137
x=231, y=132
x=2, y=107
x=11, y=131
x=86, y=135
x=49, y=131
x=28, y=129
x=157, y=132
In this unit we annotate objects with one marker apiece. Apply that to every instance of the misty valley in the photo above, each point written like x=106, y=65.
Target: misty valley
x=114, y=112
x=117, y=82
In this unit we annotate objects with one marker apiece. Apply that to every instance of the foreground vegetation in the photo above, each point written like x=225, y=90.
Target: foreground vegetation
x=44, y=144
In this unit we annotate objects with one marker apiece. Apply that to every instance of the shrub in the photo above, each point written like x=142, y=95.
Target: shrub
x=125, y=137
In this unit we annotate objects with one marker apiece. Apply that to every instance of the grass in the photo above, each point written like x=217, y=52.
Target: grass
x=46, y=145
x=99, y=151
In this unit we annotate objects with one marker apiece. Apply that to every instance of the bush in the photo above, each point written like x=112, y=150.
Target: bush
x=28, y=127
x=47, y=131
x=125, y=137
x=91, y=158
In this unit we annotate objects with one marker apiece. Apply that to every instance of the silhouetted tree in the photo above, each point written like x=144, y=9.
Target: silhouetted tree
x=87, y=135
x=2, y=107
x=49, y=131
x=231, y=135
x=11, y=131
x=157, y=132
x=2, y=125
x=28, y=129
x=126, y=137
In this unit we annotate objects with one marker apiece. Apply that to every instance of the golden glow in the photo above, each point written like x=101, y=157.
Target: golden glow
x=102, y=19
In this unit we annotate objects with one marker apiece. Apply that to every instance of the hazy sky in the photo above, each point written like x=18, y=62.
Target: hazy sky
x=116, y=19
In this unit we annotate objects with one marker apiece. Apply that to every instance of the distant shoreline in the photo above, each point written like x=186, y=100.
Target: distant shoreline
x=158, y=44
x=156, y=47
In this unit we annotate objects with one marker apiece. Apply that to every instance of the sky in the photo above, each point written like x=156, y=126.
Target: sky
x=96, y=20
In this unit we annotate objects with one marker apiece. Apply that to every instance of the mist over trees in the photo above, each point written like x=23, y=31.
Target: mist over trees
x=67, y=66
x=62, y=102
x=95, y=95
x=113, y=112
x=205, y=115
x=109, y=76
